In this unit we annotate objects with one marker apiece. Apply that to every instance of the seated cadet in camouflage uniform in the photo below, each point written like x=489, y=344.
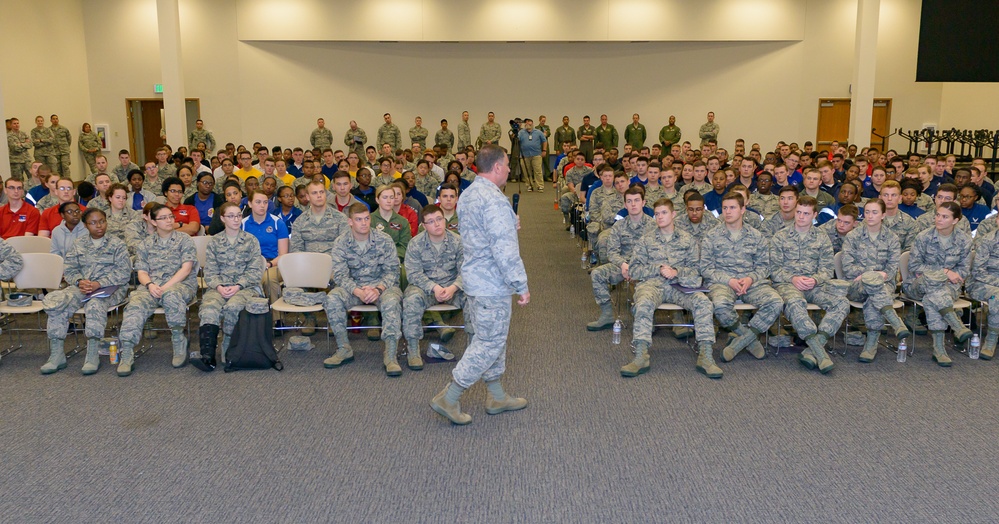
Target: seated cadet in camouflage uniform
x=432, y=263
x=594, y=225
x=11, y=262
x=94, y=261
x=315, y=231
x=233, y=272
x=448, y=201
x=870, y=263
x=654, y=191
x=610, y=205
x=366, y=271
x=903, y=225
x=619, y=242
x=735, y=264
x=102, y=182
x=167, y=266
x=983, y=285
x=752, y=218
x=118, y=215
x=664, y=256
x=698, y=183
x=947, y=193
x=939, y=263
x=787, y=199
x=696, y=221
x=804, y=274
x=573, y=177
x=846, y=221
x=762, y=200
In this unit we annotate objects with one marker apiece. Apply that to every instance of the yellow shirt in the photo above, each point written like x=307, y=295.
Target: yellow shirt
x=247, y=173
x=288, y=179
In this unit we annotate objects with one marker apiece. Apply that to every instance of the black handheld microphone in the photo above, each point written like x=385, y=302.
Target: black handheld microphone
x=516, y=202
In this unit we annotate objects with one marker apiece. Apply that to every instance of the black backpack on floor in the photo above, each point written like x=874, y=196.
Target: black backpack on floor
x=252, y=344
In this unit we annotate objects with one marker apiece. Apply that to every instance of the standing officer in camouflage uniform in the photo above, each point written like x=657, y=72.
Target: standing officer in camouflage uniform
x=662, y=257
x=870, y=263
x=93, y=262
x=490, y=132
x=390, y=134
x=18, y=145
x=355, y=138
x=444, y=137
x=618, y=243
x=635, y=134
x=464, y=133
x=804, y=274
x=44, y=142
x=321, y=138
x=61, y=149
x=90, y=145
x=939, y=263
x=11, y=262
x=167, y=266
x=984, y=283
x=433, y=259
x=366, y=271
x=606, y=134
x=709, y=130
x=200, y=134
x=233, y=272
x=418, y=134
x=491, y=272
x=735, y=263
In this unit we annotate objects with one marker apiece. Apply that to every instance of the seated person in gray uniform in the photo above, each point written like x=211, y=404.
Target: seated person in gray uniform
x=93, y=261
x=870, y=263
x=735, y=264
x=167, y=267
x=803, y=274
x=610, y=205
x=433, y=259
x=984, y=283
x=619, y=242
x=664, y=256
x=939, y=263
x=365, y=271
x=233, y=272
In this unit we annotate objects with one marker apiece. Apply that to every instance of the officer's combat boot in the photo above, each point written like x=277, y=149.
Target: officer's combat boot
x=807, y=358
x=912, y=321
x=870, y=347
x=606, y=319
x=817, y=343
x=204, y=360
x=499, y=401
x=447, y=404
x=344, y=353
x=745, y=338
x=308, y=324
x=961, y=332
x=706, y=362
x=57, y=357
x=179, y=341
x=891, y=317
x=126, y=360
x=640, y=364
x=413, y=358
x=681, y=332
x=93, y=359
x=755, y=348
x=389, y=359
x=939, y=351
x=989, y=346
x=446, y=332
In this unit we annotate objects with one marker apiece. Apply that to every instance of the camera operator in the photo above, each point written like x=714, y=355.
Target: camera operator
x=532, y=144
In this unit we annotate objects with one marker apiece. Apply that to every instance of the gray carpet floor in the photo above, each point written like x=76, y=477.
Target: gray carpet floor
x=771, y=442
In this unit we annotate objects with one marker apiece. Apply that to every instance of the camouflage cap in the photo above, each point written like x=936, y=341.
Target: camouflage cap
x=257, y=306
x=297, y=296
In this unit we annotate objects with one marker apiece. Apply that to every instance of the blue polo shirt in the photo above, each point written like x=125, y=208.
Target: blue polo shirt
x=531, y=142
x=329, y=171
x=267, y=232
x=38, y=192
x=205, y=209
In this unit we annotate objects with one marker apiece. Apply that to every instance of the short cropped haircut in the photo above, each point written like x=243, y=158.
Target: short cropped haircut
x=788, y=189
x=488, y=157
x=429, y=210
x=808, y=201
x=731, y=195
x=355, y=209
x=950, y=206
x=663, y=202
x=850, y=210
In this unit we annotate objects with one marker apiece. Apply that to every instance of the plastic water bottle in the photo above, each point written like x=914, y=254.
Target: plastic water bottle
x=584, y=261
x=975, y=350
x=616, y=333
x=572, y=231
x=903, y=351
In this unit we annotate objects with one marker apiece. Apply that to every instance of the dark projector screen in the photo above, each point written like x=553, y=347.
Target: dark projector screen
x=958, y=41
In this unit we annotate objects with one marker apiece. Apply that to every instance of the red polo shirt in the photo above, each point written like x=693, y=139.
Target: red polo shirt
x=16, y=224
x=185, y=214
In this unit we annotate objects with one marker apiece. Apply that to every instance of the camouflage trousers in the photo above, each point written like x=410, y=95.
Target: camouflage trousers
x=593, y=230
x=62, y=162
x=935, y=295
x=987, y=294
x=766, y=300
x=415, y=302
x=602, y=278
x=141, y=305
x=566, y=201
x=338, y=301
x=649, y=295
x=91, y=159
x=217, y=311
x=830, y=298
x=485, y=356
x=61, y=305
x=876, y=294
x=20, y=171
x=48, y=159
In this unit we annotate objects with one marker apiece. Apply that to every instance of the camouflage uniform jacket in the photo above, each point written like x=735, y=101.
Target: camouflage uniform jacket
x=679, y=251
x=317, y=234
x=723, y=257
x=237, y=264
x=809, y=254
x=491, y=264
x=862, y=253
x=427, y=267
x=377, y=265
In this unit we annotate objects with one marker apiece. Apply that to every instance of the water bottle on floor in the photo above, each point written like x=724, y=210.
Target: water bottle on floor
x=616, y=333
x=975, y=350
x=584, y=261
x=572, y=231
x=903, y=351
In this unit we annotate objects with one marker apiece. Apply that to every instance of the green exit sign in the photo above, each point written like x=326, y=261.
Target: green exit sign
x=158, y=89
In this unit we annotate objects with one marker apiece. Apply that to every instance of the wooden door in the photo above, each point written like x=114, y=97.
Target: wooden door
x=881, y=123
x=152, y=124
x=834, y=122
